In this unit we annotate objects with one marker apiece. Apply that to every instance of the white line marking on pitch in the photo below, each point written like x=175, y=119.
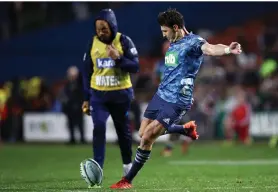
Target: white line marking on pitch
x=226, y=162
x=215, y=188
x=243, y=187
x=187, y=190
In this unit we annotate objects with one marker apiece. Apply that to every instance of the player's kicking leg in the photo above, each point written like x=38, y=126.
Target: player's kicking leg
x=168, y=149
x=159, y=120
x=152, y=131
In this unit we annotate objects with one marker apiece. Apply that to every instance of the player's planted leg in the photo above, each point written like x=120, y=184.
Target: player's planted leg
x=152, y=131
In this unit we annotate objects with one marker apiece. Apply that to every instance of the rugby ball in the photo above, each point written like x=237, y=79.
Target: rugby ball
x=91, y=172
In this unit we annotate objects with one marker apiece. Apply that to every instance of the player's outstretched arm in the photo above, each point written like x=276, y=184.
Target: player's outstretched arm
x=219, y=49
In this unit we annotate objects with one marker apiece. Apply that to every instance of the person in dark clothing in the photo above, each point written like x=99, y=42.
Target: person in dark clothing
x=110, y=58
x=72, y=100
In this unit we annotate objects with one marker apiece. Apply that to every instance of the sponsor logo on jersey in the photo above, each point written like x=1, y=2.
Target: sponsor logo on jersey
x=103, y=63
x=171, y=59
x=187, y=81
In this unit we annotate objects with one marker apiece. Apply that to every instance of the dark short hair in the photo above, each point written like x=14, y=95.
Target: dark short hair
x=170, y=18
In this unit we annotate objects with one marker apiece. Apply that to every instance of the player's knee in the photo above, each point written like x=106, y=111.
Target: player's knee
x=143, y=126
x=157, y=124
x=147, y=140
x=152, y=132
x=141, y=132
x=147, y=137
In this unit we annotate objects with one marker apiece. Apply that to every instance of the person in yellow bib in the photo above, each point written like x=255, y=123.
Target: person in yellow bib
x=107, y=64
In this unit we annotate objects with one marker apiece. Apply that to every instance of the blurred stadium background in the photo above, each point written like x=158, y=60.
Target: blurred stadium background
x=40, y=41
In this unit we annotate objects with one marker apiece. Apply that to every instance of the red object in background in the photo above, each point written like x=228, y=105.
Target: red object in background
x=241, y=120
x=3, y=113
x=3, y=117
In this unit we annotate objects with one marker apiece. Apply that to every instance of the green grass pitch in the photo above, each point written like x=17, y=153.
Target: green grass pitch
x=207, y=167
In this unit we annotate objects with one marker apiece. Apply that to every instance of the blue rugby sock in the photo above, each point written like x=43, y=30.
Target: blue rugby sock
x=175, y=129
x=140, y=159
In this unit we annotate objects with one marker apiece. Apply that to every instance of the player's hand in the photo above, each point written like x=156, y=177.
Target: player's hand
x=235, y=48
x=86, y=108
x=112, y=52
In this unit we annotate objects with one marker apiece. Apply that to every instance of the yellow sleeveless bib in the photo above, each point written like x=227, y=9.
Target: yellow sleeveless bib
x=106, y=77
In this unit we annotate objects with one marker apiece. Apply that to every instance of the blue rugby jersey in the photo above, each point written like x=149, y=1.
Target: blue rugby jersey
x=182, y=63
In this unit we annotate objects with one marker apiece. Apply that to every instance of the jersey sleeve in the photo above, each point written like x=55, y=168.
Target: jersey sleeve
x=87, y=71
x=196, y=45
x=129, y=62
